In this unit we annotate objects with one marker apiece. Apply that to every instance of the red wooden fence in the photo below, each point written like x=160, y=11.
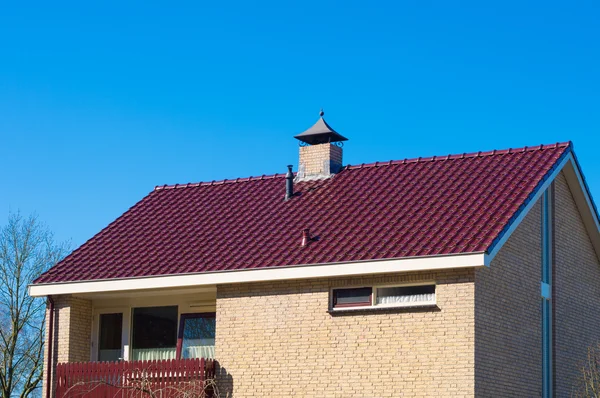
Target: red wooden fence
x=135, y=379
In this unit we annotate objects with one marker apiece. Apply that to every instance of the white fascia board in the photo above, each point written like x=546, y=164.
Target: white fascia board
x=424, y=263
x=490, y=256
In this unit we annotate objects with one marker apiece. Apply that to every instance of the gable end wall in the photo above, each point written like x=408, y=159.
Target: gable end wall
x=508, y=341
x=576, y=290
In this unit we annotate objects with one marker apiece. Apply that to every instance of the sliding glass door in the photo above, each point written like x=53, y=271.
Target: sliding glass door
x=109, y=339
x=154, y=334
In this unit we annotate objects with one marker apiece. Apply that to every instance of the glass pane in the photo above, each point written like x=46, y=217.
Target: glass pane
x=198, y=337
x=406, y=294
x=356, y=296
x=109, y=344
x=154, y=333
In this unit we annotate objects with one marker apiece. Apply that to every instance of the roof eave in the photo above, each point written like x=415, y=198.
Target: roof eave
x=308, y=271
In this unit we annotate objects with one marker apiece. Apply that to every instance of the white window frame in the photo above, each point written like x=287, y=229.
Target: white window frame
x=374, y=304
x=125, y=332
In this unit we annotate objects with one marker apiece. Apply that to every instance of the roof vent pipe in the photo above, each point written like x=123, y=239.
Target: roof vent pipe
x=305, y=237
x=289, y=183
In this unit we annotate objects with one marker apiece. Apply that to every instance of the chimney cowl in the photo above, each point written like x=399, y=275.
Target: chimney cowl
x=320, y=133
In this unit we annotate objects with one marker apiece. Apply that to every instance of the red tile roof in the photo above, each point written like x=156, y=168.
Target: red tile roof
x=427, y=206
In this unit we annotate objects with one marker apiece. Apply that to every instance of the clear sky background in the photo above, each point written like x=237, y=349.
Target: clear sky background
x=101, y=102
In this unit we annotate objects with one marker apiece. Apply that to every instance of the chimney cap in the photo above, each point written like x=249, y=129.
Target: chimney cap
x=320, y=133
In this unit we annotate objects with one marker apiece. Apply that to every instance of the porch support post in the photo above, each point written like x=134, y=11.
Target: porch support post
x=71, y=334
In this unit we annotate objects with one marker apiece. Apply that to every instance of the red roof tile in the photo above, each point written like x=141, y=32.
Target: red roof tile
x=427, y=206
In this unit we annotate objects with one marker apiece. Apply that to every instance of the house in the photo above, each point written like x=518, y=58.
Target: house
x=460, y=275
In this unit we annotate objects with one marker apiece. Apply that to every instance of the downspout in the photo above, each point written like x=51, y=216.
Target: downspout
x=50, y=340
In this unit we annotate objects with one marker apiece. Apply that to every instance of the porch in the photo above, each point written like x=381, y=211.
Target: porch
x=131, y=343
x=154, y=325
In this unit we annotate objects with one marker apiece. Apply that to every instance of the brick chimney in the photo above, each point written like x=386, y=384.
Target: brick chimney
x=320, y=151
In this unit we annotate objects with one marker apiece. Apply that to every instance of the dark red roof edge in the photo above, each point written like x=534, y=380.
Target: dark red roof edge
x=376, y=164
x=516, y=215
x=462, y=156
x=220, y=182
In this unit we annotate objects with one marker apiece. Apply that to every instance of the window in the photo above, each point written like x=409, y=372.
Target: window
x=196, y=336
x=353, y=297
x=154, y=333
x=406, y=295
x=383, y=297
x=109, y=344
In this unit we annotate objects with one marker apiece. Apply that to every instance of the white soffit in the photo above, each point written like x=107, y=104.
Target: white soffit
x=425, y=263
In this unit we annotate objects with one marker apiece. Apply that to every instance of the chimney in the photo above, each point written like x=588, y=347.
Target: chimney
x=320, y=151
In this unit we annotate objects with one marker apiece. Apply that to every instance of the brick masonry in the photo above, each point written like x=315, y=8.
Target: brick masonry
x=278, y=340
x=72, y=332
x=321, y=159
x=508, y=341
x=576, y=291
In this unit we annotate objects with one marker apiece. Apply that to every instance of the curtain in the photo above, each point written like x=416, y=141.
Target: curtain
x=199, y=351
x=147, y=354
x=410, y=298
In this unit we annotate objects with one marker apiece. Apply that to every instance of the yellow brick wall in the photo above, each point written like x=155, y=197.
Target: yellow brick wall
x=315, y=157
x=576, y=290
x=71, y=334
x=278, y=340
x=508, y=316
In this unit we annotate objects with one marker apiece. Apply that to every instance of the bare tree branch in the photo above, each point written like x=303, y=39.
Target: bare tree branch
x=27, y=249
x=145, y=386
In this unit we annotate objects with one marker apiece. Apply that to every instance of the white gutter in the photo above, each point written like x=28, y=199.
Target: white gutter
x=424, y=263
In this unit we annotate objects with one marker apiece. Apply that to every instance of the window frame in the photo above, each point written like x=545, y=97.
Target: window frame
x=182, y=319
x=99, y=339
x=132, y=327
x=352, y=305
x=125, y=330
x=374, y=294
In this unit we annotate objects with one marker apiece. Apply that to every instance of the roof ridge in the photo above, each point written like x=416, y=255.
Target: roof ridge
x=376, y=164
x=219, y=182
x=461, y=155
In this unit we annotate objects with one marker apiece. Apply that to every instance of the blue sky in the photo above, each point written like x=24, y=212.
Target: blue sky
x=101, y=102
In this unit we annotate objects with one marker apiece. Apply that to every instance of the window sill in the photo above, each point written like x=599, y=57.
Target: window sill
x=383, y=308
